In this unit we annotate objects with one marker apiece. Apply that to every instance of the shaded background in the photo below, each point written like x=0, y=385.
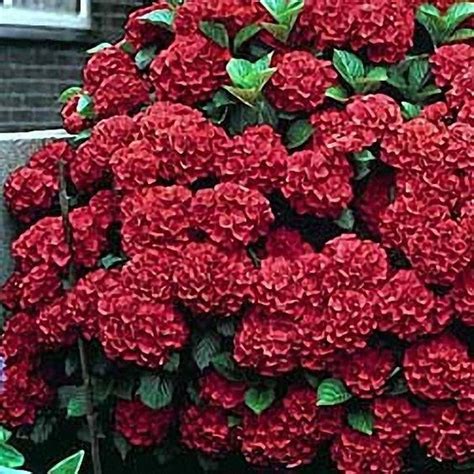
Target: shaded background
x=37, y=65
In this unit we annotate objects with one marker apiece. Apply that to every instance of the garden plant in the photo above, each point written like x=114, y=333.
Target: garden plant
x=254, y=253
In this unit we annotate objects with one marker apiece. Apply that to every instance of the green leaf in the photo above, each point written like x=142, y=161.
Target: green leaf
x=121, y=445
x=364, y=156
x=145, y=56
x=362, y=421
x=226, y=327
x=127, y=47
x=349, y=66
x=298, y=134
x=10, y=457
x=266, y=113
x=207, y=463
x=465, y=466
x=216, y=32
x=77, y=403
x=259, y=400
x=245, y=34
x=337, y=93
x=346, y=221
x=462, y=34
x=457, y=14
x=205, y=349
x=285, y=12
x=42, y=429
x=377, y=74
x=155, y=391
x=332, y=392
x=71, y=364
x=164, y=18
x=102, y=389
x=233, y=421
x=5, y=434
x=81, y=137
x=85, y=106
x=240, y=72
x=430, y=17
x=123, y=388
x=6, y=470
x=410, y=110
x=311, y=379
x=70, y=465
x=428, y=91
x=98, y=48
x=69, y=93
x=418, y=73
x=226, y=366
x=173, y=362
x=110, y=261
x=280, y=32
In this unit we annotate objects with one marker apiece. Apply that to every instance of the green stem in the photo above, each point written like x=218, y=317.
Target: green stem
x=91, y=415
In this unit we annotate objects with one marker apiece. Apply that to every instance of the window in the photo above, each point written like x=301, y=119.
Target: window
x=46, y=13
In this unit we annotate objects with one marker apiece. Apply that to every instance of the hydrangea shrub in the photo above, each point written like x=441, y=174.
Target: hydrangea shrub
x=257, y=246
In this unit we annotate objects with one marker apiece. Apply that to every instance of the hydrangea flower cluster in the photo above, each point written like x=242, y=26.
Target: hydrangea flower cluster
x=262, y=230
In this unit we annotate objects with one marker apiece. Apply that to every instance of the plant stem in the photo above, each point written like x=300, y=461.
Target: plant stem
x=91, y=415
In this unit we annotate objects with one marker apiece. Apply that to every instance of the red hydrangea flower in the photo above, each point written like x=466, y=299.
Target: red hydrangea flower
x=140, y=425
x=364, y=121
x=148, y=274
x=385, y=27
x=177, y=72
x=300, y=82
x=55, y=326
x=81, y=305
x=120, y=94
x=19, y=339
x=185, y=144
x=210, y=280
x=358, y=453
x=286, y=243
x=318, y=183
x=23, y=395
x=365, y=372
x=231, y=214
x=73, y=121
x=234, y=14
x=289, y=286
x=206, y=429
x=349, y=319
x=353, y=264
x=257, y=159
x=136, y=330
x=446, y=434
x=140, y=33
x=134, y=166
x=374, y=200
x=409, y=310
x=451, y=61
x=395, y=420
x=153, y=217
x=266, y=343
x=104, y=64
x=325, y=23
x=463, y=297
x=437, y=368
x=47, y=158
x=41, y=284
x=288, y=433
x=29, y=191
x=218, y=391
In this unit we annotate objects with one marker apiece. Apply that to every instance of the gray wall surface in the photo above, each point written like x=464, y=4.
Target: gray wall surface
x=34, y=72
x=15, y=149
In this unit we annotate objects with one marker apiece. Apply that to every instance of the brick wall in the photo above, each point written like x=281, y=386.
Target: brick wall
x=34, y=72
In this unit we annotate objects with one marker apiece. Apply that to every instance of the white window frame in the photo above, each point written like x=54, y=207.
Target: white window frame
x=25, y=17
